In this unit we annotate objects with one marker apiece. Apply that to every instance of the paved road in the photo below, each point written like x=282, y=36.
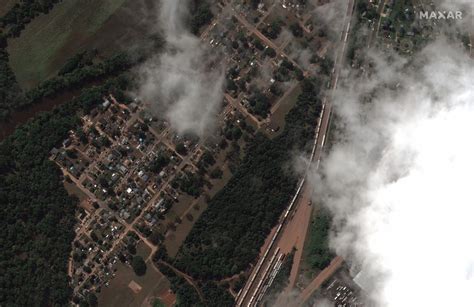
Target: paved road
x=265, y=39
x=243, y=110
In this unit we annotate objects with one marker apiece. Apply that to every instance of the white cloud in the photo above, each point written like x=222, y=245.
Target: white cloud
x=399, y=179
x=184, y=84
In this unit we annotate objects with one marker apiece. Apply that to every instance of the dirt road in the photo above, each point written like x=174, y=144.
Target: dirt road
x=335, y=264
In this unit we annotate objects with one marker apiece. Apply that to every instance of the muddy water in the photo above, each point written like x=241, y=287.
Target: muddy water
x=20, y=117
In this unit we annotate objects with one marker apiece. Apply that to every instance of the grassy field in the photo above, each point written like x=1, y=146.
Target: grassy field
x=118, y=293
x=316, y=252
x=72, y=189
x=175, y=239
x=278, y=117
x=72, y=26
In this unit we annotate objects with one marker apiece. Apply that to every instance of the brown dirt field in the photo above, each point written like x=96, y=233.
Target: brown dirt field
x=118, y=293
x=143, y=250
x=134, y=287
x=168, y=298
x=181, y=206
x=295, y=231
x=301, y=221
x=72, y=189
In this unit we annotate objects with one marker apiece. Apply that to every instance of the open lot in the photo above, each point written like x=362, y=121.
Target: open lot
x=128, y=289
x=72, y=189
x=71, y=27
x=283, y=107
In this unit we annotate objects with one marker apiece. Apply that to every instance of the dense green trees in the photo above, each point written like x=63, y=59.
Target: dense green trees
x=296, y=29
x=79, y=71
x=319, y=254
x=22, y=13
x=79, y=60
x=79, y=76
x=270, y=52
x=158, y=163
x=186, y=295
x=200, y=16
x=273, y=29
x=190, y=183
x=227, y=237
x=216, y=296
x=213, y=295
x=37, y=213
x=139, y=265
x=10, y=92
x=259, y=104
x=181, y=149
x=70, y=78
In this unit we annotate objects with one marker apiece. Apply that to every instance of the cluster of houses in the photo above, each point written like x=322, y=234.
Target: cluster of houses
x=264, y=61
x=123, y=160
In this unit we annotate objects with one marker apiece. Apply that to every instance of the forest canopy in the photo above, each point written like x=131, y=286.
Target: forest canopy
x=227, y=237
x=37, y=213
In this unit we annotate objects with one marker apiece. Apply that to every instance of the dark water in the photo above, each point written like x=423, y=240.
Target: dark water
x=20, y=117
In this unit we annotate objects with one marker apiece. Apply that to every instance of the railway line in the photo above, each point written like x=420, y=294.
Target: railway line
x=266, y=269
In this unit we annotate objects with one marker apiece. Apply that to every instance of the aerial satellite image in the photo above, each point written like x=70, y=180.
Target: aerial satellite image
x=271, y=153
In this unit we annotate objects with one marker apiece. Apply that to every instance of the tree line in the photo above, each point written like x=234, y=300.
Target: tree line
x=201, y=15
x=318, y=252
x=186, y=295
x=22, y=13
x=80, y=70
x=228, y=235
x=11, y=25
x=69, y=78
x=37, y=213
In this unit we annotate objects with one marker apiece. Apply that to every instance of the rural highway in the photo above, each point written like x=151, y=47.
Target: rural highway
x=270, y=260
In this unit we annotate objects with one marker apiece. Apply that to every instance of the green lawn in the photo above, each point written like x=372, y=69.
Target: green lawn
x=278, y=118
x=49, y=40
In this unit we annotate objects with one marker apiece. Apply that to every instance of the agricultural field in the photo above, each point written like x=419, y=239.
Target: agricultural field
x=71, y=27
